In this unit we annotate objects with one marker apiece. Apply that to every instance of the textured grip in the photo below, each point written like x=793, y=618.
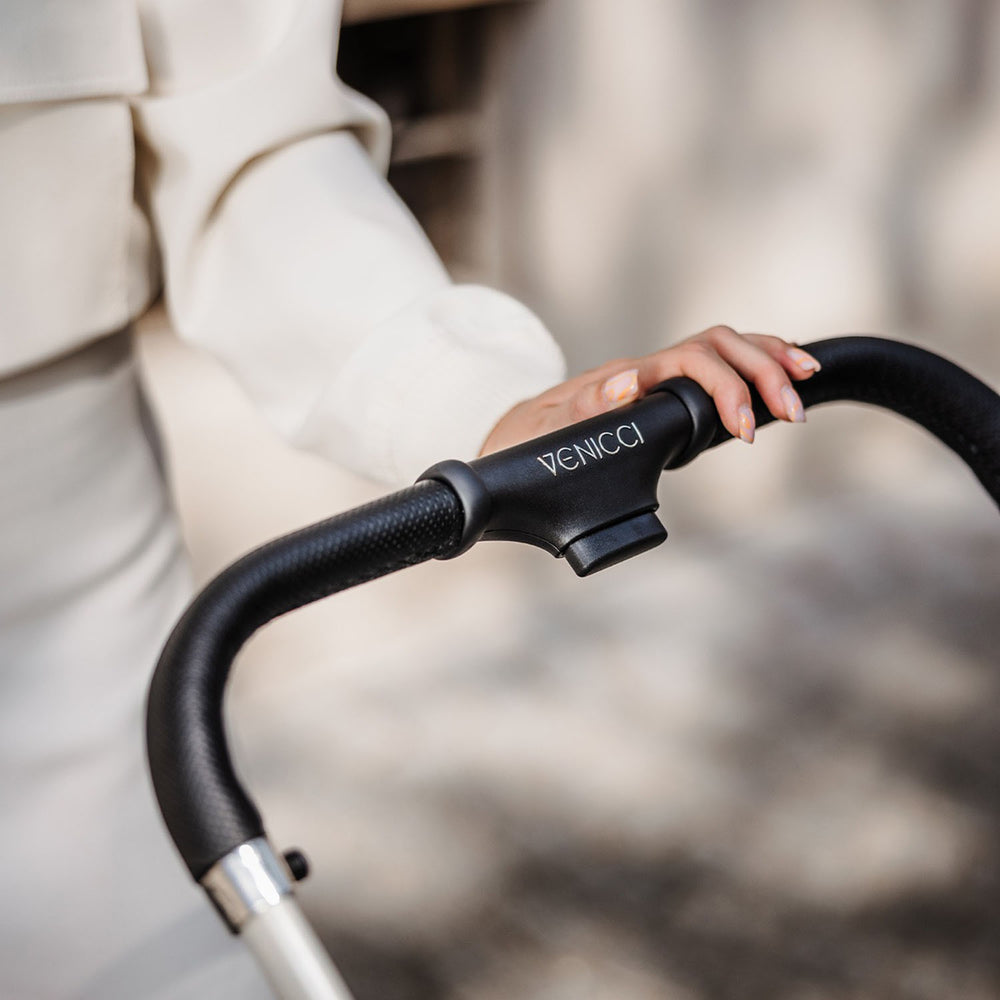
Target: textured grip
x=207, y=811
x=205, y=808
x=953, y=405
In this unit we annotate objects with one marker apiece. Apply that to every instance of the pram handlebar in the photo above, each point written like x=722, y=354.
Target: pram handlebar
x=587, y=492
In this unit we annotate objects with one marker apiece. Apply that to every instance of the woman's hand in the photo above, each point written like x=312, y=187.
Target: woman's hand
x=720, y=360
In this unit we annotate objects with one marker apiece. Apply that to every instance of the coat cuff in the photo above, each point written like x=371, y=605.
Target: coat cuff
x=431, y=382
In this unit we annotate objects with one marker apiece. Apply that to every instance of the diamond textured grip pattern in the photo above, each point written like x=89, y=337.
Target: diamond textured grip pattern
x=207, y=811
x=202, y=801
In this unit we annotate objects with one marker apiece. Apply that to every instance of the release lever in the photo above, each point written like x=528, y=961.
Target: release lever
x=615, y=544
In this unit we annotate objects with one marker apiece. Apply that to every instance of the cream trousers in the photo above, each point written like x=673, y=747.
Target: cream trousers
x=95, y=903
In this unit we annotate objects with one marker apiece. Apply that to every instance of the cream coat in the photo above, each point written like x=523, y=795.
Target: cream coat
x=209, y=140
x=205, y=147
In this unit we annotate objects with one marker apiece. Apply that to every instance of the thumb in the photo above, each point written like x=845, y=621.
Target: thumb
x=606, y=394
x=561, y=406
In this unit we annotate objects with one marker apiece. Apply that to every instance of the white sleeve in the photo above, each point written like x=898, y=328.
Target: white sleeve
x=287, y=255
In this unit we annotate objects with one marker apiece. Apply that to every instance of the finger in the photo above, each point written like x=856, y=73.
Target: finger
x=799, y=364
x=761, y=368
x=700, y=361
x=564, y=404
x=603, y=394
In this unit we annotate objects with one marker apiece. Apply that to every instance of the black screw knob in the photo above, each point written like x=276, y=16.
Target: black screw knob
x=298, y=864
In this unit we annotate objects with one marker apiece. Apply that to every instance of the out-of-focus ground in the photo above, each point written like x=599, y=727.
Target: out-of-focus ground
x=761, y=761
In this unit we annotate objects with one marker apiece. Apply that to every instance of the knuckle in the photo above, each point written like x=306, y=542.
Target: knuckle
x=741, y=392
x=774, y=346
x=578, y=408
x=773, y=341
x=765, y=369
x=731, y=389
x=699, y=349
x=771, y=373
x=721, y=332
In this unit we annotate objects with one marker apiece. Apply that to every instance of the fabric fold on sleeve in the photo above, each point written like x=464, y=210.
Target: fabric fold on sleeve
x=288, y=256
x=431, y=383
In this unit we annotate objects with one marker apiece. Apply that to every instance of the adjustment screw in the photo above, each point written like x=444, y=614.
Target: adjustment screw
x=298, y=864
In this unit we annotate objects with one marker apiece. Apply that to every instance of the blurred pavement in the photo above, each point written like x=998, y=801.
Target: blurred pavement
x=763, y=761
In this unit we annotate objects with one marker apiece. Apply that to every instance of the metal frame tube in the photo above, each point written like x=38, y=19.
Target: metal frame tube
x=291, y=956
x=251, y=888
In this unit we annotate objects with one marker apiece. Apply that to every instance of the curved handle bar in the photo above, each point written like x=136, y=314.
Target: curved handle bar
x=588, y=492
x=204, y=806
x=957, y=408
x=207, y=812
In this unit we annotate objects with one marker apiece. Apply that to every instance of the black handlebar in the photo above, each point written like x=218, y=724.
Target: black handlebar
x=205, y=808
x=587, y=492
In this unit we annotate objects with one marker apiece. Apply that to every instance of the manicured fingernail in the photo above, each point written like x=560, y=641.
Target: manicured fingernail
x=621, y=388
x=805, y=361
x=747, y=423
x=793, y=405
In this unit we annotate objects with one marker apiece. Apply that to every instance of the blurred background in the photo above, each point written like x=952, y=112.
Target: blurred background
x=762, y=761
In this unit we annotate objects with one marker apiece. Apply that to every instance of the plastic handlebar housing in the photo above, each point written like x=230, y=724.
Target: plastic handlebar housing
x=587, y=492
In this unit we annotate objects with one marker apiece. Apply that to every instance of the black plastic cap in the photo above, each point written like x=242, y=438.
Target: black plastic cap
x=607, y=546
x=298, y=864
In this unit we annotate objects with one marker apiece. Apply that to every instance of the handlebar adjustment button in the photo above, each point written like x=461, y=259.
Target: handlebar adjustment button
x=298, y=864
x=607, y=546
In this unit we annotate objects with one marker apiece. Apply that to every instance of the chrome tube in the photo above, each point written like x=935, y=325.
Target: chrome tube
x=290, y=955
x=251, y=887
x=250, y=879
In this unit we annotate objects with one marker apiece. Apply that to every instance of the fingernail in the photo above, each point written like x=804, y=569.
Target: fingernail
x=747, y=423
x=793, y=405
x=622, y=387
x=805, y=361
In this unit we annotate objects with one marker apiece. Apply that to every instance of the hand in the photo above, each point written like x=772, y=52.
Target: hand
x=720, y=360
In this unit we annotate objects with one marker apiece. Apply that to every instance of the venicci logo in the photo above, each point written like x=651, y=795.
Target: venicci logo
x=592, y=449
